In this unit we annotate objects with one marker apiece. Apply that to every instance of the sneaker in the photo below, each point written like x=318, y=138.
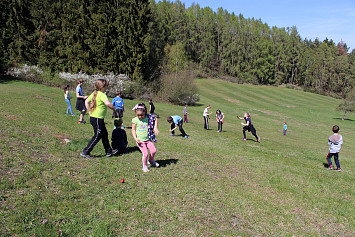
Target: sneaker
x=217, y=130
x=85, y=155
x=154, y=163
x=145, y=169
x=244, y=139
x=73, y=115
x=259, y=139
x=338, y=169
x=330, y=168
x=111, y=153
x=186, y=136
x=172, y=134
x=82, y=121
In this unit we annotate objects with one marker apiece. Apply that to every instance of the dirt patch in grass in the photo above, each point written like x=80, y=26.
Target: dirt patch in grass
x=43, y=98
x=288, y=106
x=234, y=101
x=62, y=138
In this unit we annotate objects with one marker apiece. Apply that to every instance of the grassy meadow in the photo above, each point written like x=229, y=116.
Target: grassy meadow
x=211, y=184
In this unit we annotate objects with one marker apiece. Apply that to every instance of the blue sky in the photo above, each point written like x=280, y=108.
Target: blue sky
x=313, y=18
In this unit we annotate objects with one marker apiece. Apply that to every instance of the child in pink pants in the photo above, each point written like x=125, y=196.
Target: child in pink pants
x=144, y=129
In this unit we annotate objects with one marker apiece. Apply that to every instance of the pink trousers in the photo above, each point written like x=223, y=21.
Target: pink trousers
x=144, y=146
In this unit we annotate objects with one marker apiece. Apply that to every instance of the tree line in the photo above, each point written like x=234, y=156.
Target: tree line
x=144, y=39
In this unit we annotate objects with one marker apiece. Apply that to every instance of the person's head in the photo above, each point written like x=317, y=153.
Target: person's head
x=118, y=93
x=141, y=110
x=118, y=123
x=100, y=85
x=218, y=111
x=186, y=106
x=150, y=100
x=335, y=129
x=247, y=115
x=66, y=88
x=285, y=123
x=170, y=119
x=208, y=106
x=80, y=81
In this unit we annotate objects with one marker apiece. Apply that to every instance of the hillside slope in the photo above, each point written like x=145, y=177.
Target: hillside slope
x=209, y=184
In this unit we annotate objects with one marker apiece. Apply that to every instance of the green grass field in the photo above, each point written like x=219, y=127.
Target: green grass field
x=209, y=184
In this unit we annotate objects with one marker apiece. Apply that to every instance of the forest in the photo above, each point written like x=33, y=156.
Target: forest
x=145, y=39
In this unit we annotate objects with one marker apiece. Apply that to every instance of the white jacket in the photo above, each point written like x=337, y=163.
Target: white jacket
x=335, y=142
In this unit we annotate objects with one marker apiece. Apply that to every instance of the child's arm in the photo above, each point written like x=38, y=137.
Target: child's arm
x=134, y=133
x=79, y=96
x=245, y=124
x=87, y=104
x=110, y=105
x=176, y=126
x=123, y=108
x=240, y=117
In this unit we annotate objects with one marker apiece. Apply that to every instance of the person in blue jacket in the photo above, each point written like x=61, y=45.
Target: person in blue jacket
x=176, y=122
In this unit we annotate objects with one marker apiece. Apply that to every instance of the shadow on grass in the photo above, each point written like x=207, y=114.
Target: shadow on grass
x=326, y=165
x=249, y=139
x=7, y=79
x=129, y=150
x=344, y=119
x=164, y=163
x=197, y=105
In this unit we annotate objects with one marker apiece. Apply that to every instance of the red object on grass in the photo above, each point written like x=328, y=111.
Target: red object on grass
x=122, y=180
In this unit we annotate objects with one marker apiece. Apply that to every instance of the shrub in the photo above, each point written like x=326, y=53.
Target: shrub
x=34, y=74
x=178, y=89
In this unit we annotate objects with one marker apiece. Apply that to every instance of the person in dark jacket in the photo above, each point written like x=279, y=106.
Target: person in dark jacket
x=119, y=137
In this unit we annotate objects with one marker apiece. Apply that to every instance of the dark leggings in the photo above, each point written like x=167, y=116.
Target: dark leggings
x=336, y=159
x=251, y=129
x=220, y=126
x=100, y=132
x=180, y=128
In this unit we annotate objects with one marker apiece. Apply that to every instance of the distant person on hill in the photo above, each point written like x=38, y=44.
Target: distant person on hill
x=285, y=128
x=119, y=105
x=80, y=101
x=248, y=126
x=67, y=98
x=119, y=137
x=152, y=108
x=335, y=142
x=176, y=122
x=144, y=129
x=219, y=118
x=97, y=104
x=206, y=116
x=184, y=111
